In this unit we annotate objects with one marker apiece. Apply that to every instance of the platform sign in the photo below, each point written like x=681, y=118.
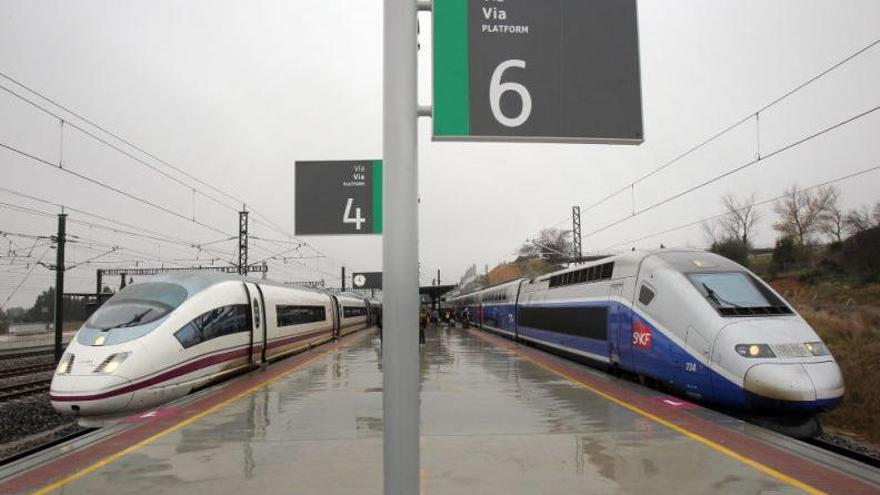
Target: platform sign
x=366, y=280
x=537, y=70
x=338, y=197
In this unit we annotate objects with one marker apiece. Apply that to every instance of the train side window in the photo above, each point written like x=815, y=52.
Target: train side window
x=352, y=311
x=646, y=295
x=189, y=335
x=218, y=322
x=287, y=315
x=607, y=270
x=225, y=321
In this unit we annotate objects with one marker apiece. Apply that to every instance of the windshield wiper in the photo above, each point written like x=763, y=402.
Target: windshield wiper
x=711, y=294
x=137, y=318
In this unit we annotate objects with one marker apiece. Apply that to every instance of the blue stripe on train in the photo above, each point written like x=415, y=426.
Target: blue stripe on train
x=663, y=360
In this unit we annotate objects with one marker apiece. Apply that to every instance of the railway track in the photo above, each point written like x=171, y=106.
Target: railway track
x=9, y=392
x=26, y=370
x=46, y=445
x=841, y=449
x=7, y=355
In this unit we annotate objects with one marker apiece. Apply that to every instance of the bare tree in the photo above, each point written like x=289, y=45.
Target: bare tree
x=833, y=222
x=551, y=244
x=738, y=221
x=741, y=217
x=863, y=218
x=800, y=212
x=712, y=231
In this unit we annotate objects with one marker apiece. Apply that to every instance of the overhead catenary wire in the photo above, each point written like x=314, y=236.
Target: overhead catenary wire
x=734, y=125
x=149, y=234
x=144, y=233
x=759, y=203
x=24, y=279
x=140, y=149
x=100, y=140
x=37, y=159
x=730, y=172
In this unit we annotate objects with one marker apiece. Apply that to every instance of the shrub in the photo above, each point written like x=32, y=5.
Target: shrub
x=785, y=254
x=734, y=249
x=858, y=255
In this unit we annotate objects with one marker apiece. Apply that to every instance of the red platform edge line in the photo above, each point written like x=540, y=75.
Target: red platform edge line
x=804, y=470
x=62, y=467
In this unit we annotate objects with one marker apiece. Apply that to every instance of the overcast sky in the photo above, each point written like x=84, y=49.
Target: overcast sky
x=234, y=92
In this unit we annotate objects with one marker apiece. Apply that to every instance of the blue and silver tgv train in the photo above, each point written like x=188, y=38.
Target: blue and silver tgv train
x=692, y=320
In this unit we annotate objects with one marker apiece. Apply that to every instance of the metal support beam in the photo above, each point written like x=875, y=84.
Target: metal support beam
x=136, y=272
x=343, y=279
x=60, y=240
x=400, y=259
x=576, y=244
x=242, y=242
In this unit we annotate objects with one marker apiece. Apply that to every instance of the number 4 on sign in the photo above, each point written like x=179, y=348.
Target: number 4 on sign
x=347, y=218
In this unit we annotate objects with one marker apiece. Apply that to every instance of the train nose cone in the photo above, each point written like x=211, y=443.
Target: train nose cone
x=789, y=382
x=827, y=379
x=800, y=382
x=89, y=395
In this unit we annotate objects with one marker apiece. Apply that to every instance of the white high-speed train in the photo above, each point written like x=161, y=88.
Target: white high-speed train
x=691, y=320
x=158, y=340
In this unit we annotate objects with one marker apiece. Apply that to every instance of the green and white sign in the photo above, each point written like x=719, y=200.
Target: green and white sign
x=338, y=197
x=537, y=70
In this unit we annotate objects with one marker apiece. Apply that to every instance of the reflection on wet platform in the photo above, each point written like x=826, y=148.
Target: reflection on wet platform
x=492, y=422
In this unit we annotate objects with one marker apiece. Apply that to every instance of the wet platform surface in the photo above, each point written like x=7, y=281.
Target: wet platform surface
x=494, y=421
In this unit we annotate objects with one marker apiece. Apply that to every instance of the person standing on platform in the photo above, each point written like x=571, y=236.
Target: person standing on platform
x=424, y=321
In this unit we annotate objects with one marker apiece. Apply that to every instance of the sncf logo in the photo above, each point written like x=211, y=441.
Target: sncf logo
x=641, y=336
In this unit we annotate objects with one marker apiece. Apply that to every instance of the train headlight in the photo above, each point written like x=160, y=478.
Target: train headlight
x=65, y=365
x=112, y=362
x=817, y=349
x=755, y=351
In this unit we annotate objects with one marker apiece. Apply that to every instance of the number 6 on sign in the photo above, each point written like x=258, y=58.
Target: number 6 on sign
x=498, y=88
x=347, y=218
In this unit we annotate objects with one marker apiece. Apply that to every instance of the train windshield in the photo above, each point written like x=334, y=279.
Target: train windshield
x=738, y=294
x=138, y=304
x=729, y=290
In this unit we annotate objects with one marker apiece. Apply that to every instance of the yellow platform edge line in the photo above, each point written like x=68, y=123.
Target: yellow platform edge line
x=693, y=436
x=128, y=450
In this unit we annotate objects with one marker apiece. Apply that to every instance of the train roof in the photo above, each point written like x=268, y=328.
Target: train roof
x=197, y=281
x=627, y=264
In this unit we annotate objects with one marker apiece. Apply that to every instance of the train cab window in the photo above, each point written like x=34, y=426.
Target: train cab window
x=298, y=315
x=646, y=295
x=738, y=294
x=138, y=304
x=219, y=322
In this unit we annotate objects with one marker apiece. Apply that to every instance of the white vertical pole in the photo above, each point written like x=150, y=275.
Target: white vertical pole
x=400, y=353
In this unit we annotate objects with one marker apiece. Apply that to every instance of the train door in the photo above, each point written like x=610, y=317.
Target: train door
x=335, y=316
x=618, y=345
x=259, y=334
x=516, y=309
